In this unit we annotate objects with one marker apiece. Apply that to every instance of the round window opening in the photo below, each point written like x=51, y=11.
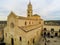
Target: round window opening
x=12, y=25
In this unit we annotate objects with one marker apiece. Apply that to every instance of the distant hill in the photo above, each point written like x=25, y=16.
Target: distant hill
x=52, y=22
x=46, y=22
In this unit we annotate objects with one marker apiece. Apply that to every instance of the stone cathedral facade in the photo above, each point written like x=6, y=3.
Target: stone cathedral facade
x=23, y=30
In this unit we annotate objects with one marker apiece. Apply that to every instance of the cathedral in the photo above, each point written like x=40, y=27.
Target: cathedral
x=23, y=30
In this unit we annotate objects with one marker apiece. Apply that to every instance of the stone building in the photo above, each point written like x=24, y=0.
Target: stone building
x=51, y=33
x=23, y=30
x=2, y=26
x=52, y=28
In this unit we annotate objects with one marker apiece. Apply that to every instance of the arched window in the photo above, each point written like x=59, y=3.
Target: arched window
x=45, y=29
x=20, y=39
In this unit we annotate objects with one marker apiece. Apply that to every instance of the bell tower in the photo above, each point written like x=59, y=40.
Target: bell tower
x=29, y=9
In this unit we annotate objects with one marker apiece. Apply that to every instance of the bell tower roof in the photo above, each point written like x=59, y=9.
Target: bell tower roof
x=30, y=3
x=29, y=9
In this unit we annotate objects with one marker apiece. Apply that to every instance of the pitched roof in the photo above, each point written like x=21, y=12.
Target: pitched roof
x=29, y=28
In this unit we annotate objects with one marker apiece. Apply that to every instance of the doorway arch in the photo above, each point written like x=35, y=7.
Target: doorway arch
x=12, y=41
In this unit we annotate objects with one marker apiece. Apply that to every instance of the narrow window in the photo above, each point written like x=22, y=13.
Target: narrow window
x=20, y=39
x=33, y=41
x=25, y=23
x=28, y=42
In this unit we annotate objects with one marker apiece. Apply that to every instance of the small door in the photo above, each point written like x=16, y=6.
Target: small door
x=12, y=41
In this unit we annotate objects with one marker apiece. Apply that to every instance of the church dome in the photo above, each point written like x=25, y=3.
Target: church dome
x=36, y=15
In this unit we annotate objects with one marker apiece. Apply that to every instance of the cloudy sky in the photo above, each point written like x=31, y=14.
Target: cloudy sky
x=47, y=9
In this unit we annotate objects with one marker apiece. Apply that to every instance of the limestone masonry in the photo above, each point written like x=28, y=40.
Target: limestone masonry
x=23, y=30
